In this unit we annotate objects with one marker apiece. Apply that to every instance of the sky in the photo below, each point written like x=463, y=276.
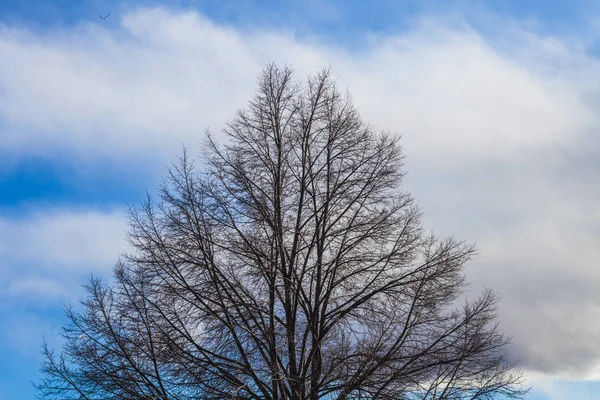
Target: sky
x=496, y=101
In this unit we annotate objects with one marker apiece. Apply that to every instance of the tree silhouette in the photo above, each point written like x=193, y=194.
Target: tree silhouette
x=291, y=265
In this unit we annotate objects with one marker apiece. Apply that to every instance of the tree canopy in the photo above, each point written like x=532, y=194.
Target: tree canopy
x=289, y=265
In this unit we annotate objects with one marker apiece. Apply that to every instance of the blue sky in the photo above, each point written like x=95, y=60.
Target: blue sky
x=497, y=101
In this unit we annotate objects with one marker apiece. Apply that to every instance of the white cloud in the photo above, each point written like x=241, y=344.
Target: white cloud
x=35, y=285
x=499, y=137
x=558, y=389
x=164, y=77
x=48, y=254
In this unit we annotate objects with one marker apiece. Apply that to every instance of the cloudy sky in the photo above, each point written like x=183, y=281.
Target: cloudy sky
x=497, y=102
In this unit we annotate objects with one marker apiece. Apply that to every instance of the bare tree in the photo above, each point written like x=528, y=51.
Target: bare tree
x=291, y=266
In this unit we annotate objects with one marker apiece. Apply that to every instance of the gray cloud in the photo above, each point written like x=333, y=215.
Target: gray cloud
x=500, y=138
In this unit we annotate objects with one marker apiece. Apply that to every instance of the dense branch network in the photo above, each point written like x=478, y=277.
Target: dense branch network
x=290, y=266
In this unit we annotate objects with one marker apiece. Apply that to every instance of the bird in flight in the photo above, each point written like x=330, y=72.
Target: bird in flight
x=106, y=16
